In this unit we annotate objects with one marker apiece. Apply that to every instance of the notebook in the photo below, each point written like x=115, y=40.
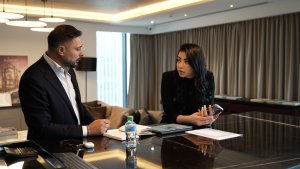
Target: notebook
x=119, y=134
x=116, y=134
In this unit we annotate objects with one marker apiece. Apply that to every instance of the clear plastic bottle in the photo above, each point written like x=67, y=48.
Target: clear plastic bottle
x=130, y=161
x=130, y=131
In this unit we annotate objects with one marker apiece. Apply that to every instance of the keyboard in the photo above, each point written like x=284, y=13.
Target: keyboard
x=73, y=161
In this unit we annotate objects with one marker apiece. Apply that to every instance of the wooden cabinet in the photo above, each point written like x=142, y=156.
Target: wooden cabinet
x=12, y=117
x=235, y=106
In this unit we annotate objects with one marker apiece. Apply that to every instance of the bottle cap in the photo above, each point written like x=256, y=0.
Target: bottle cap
x=129, y=117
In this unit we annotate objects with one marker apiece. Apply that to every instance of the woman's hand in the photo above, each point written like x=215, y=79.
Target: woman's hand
x=194, y=119
x=198, y=118
x=203, y=112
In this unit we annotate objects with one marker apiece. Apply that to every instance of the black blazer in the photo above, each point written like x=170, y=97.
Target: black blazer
x=47, y=109
x=169, y=94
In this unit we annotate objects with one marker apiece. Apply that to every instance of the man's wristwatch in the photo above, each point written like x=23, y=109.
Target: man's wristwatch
x=88, y=130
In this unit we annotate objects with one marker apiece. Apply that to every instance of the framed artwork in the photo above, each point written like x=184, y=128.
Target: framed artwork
x=11, y=70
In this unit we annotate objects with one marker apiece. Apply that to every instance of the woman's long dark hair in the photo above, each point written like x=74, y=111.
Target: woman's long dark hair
x=196, y=60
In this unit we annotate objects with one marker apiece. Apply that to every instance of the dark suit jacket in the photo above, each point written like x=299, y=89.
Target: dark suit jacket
x=47, y=109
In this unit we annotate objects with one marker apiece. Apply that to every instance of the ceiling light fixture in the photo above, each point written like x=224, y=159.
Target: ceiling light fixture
x=26, y=23
x=42, y=29
x=51, y=19
x=185, y=15
x=231, y=6
x=6, y=15
x=152, y=22
x=3, y=20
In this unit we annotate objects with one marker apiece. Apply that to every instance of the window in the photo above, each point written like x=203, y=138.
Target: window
x=112, y=68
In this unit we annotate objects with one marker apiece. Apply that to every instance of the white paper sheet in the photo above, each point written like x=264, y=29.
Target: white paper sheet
x=214, y=134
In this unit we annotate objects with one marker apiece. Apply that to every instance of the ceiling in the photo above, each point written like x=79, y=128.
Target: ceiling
x=129, y=12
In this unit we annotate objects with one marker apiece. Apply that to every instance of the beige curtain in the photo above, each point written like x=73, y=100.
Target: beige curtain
x=141, y=51
x=254, y=59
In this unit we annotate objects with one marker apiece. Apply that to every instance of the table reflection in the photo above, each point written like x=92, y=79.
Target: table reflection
x=206, y=145
x=189, y=151
x=101, y=143
x=130, y=161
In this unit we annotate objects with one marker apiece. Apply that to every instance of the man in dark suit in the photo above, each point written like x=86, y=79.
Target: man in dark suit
x=49, y=93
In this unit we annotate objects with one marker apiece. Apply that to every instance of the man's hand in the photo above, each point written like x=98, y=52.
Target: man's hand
x=98, y=127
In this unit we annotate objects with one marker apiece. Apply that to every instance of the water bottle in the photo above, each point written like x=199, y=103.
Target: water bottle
x=130, y=161
x=130, y=131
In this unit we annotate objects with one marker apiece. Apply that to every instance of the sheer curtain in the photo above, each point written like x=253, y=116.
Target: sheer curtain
x=110, y=68
x=254, y=59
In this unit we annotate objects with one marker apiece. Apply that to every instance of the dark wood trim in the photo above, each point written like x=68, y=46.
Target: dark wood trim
x=235, y=106
x=15, y=105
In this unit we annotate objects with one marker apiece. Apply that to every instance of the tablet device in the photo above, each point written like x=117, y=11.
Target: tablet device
x=170, y=128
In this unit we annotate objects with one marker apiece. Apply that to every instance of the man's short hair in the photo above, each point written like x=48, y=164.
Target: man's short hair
x=62, y=35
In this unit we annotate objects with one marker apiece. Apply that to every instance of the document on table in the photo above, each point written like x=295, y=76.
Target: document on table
x=214, y=134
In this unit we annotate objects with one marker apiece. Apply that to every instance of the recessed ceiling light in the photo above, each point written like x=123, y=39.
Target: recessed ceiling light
x=231, y=6
x=185, y=14
x=152, y=22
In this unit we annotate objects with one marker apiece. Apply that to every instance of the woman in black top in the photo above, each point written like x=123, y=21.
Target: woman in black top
x=189, y=89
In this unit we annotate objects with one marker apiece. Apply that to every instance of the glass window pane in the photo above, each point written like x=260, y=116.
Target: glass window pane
x=110, y=68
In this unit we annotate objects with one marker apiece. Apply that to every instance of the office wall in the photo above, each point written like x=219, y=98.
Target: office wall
x=22, y=41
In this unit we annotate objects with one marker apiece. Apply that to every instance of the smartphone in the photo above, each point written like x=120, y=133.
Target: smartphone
x=216, y=109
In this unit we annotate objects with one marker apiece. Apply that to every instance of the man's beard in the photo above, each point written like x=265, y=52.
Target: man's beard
x=68, y=62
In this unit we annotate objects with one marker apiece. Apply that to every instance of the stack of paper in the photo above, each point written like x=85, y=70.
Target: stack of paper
x=214, y=134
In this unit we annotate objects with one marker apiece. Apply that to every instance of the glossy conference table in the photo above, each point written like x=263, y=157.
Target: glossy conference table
x=269, y=141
